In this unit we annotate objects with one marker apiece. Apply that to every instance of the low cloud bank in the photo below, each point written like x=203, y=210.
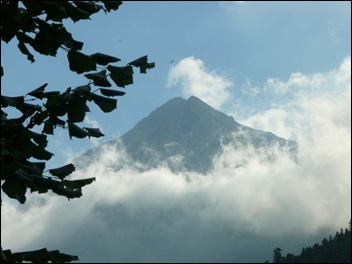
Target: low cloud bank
x=234, y=213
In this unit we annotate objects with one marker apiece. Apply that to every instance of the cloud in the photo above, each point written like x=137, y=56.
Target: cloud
x=156, y=215
x=195, y=79
x=227, y=4
x=334, y=33
x=318, y=115
x=313, y=83
x=92, y=123
x=250, y=88
x=74, y=148
x=303, y=100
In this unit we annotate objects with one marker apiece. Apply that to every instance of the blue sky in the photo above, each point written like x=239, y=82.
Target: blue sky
x=243, y=43
x=283, y=67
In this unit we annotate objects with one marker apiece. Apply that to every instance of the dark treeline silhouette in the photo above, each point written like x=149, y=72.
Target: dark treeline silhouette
x=335, y=249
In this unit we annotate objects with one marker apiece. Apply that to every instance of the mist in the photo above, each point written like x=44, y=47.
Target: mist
x=238, y=212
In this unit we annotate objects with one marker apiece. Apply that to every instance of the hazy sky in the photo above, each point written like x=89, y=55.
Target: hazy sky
x=283, y=67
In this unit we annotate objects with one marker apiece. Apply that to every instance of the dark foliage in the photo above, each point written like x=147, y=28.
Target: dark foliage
x=336, y=249
x=39, y=27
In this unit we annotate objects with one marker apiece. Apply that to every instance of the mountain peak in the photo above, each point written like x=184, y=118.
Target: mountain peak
x=196, y=102
x=187, y=131
x=193, y=98
x=187, y=135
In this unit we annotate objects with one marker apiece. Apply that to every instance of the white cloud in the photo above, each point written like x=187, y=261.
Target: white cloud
x=274, y=120
x=306, y=100
x=251, y=88
x=195, y=79
x=313, y=82
x=318, y=116
x=226, y=4
x=92, y=123
x=158, y=215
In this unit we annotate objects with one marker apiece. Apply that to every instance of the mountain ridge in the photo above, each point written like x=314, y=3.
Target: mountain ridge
x=187, y=135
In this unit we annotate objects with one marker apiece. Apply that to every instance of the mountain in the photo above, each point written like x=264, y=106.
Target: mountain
x=188, y=134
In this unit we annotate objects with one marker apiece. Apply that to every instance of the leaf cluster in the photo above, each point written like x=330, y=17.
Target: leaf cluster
x=38, y=256
x=39, y=24
x=38, y=27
